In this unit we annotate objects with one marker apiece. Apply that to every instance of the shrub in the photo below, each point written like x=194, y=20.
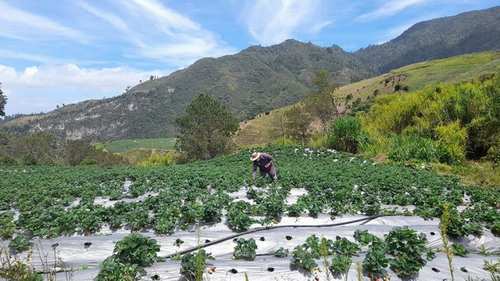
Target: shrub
x=159, y=159
x=137, y=249
x=406, y=148
x=345, y=134
x=245, y=249
x=112, y=270
x=318, y=141
x=451, y=140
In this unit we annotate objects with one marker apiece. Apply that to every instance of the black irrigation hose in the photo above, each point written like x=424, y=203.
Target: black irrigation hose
x=264, y=228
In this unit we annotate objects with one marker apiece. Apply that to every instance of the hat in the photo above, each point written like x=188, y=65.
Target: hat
x=255, y=156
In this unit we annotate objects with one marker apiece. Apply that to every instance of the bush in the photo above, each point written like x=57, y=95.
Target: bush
x=137, y=249
x=404, y=148
x=159, y=159
x=245, y=249
x=451, y=139
x=318, y=141
x=285, y=142
x=345, y=134
x=112, y=270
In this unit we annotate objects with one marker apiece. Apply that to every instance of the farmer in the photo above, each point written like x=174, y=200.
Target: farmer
x=264, y=162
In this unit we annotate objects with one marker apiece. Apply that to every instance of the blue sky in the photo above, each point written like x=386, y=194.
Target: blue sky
x=55, y=52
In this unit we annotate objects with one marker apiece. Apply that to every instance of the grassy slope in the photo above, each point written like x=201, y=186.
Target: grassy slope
x=120, y=146
x=266, y=128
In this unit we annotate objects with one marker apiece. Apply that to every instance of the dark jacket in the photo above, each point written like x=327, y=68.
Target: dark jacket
x=264, y=163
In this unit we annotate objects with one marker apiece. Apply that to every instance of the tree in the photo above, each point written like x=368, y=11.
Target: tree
x=3, y=101
x=75, y=151
x=322, y=104
x=321, y=81
x=206, y=128
x=297, y=121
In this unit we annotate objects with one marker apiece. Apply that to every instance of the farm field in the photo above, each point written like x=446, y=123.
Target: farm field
x=120, y=146
x=86, y=210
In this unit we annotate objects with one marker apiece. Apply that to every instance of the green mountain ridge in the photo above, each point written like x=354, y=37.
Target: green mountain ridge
x=257, y=79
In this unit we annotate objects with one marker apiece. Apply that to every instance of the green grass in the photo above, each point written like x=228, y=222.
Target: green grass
x=120, y=146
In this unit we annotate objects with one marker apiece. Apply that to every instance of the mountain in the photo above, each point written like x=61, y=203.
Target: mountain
x=255, y=80
x=267, y=128
x=468, y=32
x=259, y=79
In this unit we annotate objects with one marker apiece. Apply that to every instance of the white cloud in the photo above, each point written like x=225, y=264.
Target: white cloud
x=271, y=22
x=389, y=8
x=110, y=18
x=16, y=23
x=161, y=33
x=41, y=88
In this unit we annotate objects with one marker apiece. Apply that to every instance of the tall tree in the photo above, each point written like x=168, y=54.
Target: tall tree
x=297, y=121
x=3, y=101
x=321, y=81
x=320, y=103
x=206, y=128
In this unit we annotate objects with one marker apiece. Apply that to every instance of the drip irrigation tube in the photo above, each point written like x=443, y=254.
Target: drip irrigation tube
x=264, y=228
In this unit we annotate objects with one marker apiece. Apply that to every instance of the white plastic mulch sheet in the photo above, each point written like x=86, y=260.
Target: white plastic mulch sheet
x=85, y=259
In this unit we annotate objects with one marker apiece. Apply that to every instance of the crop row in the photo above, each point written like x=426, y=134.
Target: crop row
x=198, y=192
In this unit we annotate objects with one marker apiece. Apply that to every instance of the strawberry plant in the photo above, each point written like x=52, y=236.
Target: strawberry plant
x=20, y=244
x=137, y=250
x=281, y=253
x=365, y=238
x=459, y=250
x=113, y=269
x=237, y=216
x=376, y=262
x=303, y=259
x=340, y=264
x=245, y=249
x=408, y=250
x=344, y=247
x=7, y=226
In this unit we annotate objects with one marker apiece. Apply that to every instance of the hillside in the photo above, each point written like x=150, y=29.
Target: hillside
x=468, y=32
x=266, y=128
x=255, y=80
x=259, y=79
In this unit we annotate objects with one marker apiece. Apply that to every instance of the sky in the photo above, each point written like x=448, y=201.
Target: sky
x=55, y=52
